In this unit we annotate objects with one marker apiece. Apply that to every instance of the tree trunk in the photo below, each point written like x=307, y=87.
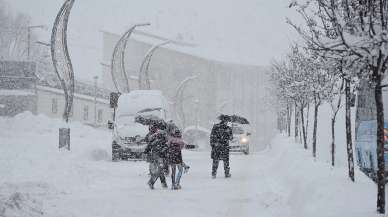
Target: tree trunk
x=296, y=125
x=300, y=130
x=333, y=141
x=333, y=119
x=380, y=147
x=316, y=107
x=349, y=143
x=307, y=121
x=289, y=112
x=303, y=128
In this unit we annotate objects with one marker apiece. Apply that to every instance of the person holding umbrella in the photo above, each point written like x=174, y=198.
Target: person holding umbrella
x=156, y=149
x=220, y=136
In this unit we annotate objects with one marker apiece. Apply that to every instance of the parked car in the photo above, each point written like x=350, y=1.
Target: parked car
x=241, y=138
x=128, y=136
x=196, y=137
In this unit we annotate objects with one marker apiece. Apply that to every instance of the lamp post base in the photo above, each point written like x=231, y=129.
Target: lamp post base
x=64, y=138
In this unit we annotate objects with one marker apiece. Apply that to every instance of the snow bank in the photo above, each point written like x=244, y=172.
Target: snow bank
x=324, y=134
x=32, y=164
x=31, y=136
x=313, y=188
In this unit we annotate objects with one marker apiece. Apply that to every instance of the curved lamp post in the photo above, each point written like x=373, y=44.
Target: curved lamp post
x=118, y=70
x=179, y=97
x=63, y=66
x=144, y=67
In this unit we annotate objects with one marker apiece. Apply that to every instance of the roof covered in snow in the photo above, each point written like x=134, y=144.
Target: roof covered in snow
x=137, y=100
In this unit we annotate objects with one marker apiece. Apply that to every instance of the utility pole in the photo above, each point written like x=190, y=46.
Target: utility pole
x=95, y=99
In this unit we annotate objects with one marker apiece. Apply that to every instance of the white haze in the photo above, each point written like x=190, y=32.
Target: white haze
x=249, y=32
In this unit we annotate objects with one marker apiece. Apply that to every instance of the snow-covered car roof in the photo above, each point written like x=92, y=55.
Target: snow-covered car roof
x=138, y=100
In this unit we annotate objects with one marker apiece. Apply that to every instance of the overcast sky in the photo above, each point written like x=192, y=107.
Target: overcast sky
x=246, y=31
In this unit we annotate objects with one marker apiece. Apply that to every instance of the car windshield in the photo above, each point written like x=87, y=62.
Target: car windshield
x=154, y=112
x=126, y=119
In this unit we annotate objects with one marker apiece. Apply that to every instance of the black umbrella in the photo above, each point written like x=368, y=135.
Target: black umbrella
x=239, y=119
x=233, y=119
x=151, y=120
x=149, y=110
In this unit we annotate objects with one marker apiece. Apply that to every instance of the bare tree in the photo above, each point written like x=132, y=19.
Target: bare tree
x=334, y=98
x=356, y=31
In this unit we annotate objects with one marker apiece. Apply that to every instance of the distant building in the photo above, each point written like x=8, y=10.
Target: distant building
x=219, y=87
x=17, y=87
x=21, y=90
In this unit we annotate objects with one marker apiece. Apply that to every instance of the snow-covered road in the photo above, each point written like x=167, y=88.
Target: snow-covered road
x=38, y=180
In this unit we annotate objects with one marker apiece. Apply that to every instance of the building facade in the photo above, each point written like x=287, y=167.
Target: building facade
x=209, y=87
x=21, y=90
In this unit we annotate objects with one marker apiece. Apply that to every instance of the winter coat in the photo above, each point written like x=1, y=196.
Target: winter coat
x=220, y=136
x=156, y=145
x=174, y=151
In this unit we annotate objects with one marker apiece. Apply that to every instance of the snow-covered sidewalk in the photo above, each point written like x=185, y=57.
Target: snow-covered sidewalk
x=38, y=180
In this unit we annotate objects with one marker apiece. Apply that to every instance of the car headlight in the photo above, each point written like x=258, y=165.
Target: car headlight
x=244, y=140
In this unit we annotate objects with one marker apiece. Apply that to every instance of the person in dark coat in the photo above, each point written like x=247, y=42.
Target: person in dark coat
x=220, y=136
x=156, y=151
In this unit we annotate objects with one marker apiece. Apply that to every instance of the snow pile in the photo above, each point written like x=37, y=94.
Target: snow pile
x=32, y=165
x=36, y=136
x=23, y=199
x=314, y=188
x=324, y=134
x=19, y=203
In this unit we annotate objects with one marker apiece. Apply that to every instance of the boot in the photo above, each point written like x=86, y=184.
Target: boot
x=186, y=168
x=150, y=185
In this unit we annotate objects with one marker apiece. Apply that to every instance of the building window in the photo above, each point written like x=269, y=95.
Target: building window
x=86, y=113
x=99, y=115
x=54, y=106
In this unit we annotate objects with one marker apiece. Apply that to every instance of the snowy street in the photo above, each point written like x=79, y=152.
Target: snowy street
x=84, y=182
x=288, y=98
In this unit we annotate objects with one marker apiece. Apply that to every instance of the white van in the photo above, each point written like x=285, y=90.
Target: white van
x=128, y=136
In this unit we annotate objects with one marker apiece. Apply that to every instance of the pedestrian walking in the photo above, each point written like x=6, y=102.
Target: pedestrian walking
x=220, y=136
x=156, y=152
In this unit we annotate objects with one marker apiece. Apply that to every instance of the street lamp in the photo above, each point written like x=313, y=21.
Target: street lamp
x=63, y=66
x=118, y=61
x=179, y=97
x=144, y=68
x=196, y=102
x=95, y=99
x=29, y=37
x=43, y=43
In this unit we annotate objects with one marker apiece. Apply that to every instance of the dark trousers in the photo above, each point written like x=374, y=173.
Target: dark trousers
x=156, y=169
x=215, y=166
